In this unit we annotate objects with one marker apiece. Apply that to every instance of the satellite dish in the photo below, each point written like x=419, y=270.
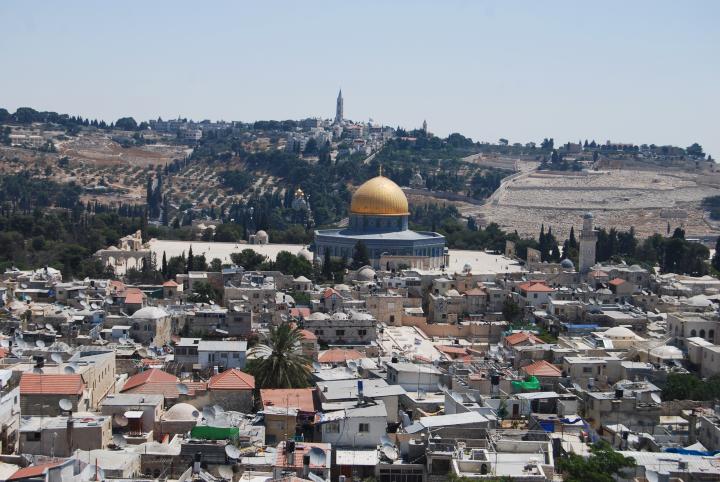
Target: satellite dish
x=65, y=405
x=120, y=420
x=195, y=414
x=38, y=370
x=385, y=440
x=69, y=370
x=122, y=340
x=208, y=413
x=5, y=376
x=18, y=352
x=93, y=306
x=316, y=366
x=218, y=410
x=232, y=451
x=352, y=365
x=315, y=478
x=109, y=300
x=83, y=303
x=236, y=308
x=225, y=471
x=390, y=452
x=182, y=388
x=119, y=440
x=23, y=286
x=40, y=344
x=5, y=343
x=317, y=457
x=49, y=327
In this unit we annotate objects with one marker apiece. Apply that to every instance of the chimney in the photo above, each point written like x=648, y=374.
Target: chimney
x=692, y=427
x=360, y=391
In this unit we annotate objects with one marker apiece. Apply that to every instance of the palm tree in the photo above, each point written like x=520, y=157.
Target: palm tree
x=279, y=364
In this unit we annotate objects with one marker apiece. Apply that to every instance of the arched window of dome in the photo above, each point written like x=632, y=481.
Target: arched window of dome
x=702, y=333
x=693, y=333
x=711, y=335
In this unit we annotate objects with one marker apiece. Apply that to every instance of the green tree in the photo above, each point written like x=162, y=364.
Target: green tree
x=511, y=310
x=204, y=293
x=279, y=363
x=248, y=259
x=360, y=255
x=190, y=261
x=602, y=465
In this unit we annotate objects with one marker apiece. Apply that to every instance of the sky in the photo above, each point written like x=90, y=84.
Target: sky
x=640, y=71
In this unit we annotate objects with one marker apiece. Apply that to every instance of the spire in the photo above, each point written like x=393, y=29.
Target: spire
x=380, y=170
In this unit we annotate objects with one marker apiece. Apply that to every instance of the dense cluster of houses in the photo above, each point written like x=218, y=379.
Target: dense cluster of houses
x=415, y=375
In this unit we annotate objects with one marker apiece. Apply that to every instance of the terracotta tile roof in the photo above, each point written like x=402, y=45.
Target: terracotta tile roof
x=522, y=337
x=301, y=311
x=170, y=283
x=616, y=281
x=308, y=335
x=339, y=355
x=232, y=380
x=598, y=274
x=51, y=384
x=133, y=296
x=151, y=362
x=535, y=287
x=153, y=381
x=451, y=350
x=542, y=368
x=4, y=352
x=34, y=471
x=117, y=286
x=300, y=398
x=329, y=292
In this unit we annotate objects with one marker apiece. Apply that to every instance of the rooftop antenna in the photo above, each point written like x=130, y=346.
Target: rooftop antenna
x=119, y=440
x=40, y=344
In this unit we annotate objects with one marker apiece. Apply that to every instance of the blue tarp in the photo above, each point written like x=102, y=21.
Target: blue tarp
x=547, y=425
x=700, y=453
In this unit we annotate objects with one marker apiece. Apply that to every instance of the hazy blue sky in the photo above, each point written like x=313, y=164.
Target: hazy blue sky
x=635, y=71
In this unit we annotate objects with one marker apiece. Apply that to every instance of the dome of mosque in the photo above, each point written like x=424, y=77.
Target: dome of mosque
x=380, y=197
x=567, y=264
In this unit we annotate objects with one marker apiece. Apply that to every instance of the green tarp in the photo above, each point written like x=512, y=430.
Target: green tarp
x=214, y=433
x=530, y=383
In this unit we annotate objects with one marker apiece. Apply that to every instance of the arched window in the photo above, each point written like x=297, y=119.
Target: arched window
x=693, y=333
x=711, y=335
x=702, y=333
x=677, y=331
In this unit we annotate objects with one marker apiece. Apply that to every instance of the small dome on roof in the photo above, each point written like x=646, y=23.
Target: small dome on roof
x=667, y=352
x=305, y=253
x=339, y=316
x=567, y=264
x=620, y=332
x=181, y=411
x=467, y=268
x=113, y=248
x=587, y=216
x=149, y=313
x=366, y=273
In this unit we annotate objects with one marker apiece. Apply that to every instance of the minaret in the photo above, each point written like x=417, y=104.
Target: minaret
x=339, y=109
x=425, y=127
x=588, y=240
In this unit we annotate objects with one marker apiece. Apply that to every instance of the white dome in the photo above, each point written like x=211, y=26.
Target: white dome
x=339, y=316
x=181, y=411
x=149, y=313
x=667, y=352
x=304, y=253
x=366, y=273
x=699, y=301
x=620, y=332
x=262, y=233
x=318, y=316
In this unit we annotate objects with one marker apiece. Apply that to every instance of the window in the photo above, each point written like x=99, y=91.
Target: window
x=236, y=355
x=32, y=436
x=587, y=369
x=318, y=332
x=364, y=428
x=332, y=427
x=702, y=333
x=339, y=332
x=362, y=332
x=693, y=333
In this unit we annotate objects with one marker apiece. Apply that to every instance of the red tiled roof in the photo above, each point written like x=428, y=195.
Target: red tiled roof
x=4, y=352
x=308, y=335
x=117, y=286
x=598, y=274
x=152, y=376
x=535, y=287
x=521, y=337
x=232, y=380
x=33, y=471
x=329, y=292
x=338, y=355
x=133, y=296
x=452, y=350
x=151, y=362
x=300, y=398
x=542, y=368
x=616, y=281
x=170, y=283
x=301, y=311
x=51, y=384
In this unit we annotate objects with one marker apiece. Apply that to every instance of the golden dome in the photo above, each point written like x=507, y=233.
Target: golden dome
x=379, y=197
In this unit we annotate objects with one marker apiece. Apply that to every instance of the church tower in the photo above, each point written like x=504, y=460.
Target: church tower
x=588, y=241
x=339, y=109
